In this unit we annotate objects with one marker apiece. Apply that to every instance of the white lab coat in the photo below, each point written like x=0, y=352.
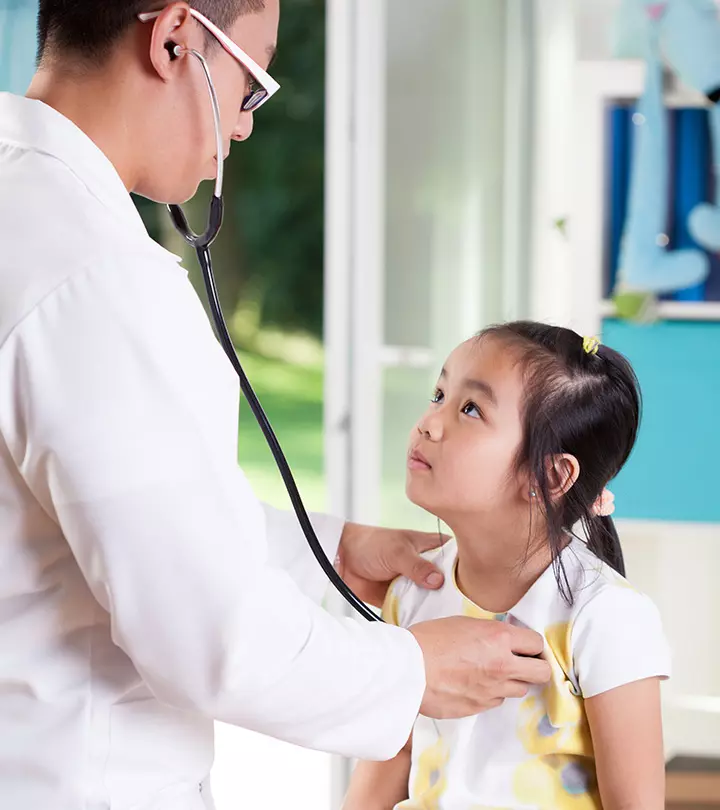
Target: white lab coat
x=144, y=591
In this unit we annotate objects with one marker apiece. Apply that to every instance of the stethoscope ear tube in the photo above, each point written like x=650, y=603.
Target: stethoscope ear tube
x=215, y=217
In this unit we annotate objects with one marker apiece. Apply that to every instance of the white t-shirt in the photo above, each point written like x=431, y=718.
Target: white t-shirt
x=534, y=752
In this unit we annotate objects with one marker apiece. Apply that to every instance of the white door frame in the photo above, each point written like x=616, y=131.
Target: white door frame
x=354, y=261
x=354, y=251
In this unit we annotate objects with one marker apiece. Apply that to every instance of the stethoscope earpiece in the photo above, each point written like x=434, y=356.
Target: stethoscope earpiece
x=173, y=49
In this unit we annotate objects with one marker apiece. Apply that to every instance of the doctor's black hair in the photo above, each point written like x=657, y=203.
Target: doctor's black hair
x=584, y=404
x=87, y=30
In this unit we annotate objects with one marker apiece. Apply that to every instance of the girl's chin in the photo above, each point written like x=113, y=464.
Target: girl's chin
x=414, y=493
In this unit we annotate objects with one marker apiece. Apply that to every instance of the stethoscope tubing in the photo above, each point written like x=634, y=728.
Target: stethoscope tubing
x=201, y=243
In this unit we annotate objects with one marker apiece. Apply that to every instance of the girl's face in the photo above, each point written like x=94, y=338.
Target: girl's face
x=461, y=460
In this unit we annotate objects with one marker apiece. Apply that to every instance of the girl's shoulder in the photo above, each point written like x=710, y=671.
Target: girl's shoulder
x=589, y=578
x=615, y=631
x=407, y=603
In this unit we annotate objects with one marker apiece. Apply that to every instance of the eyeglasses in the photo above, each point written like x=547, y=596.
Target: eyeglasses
x=257, y=95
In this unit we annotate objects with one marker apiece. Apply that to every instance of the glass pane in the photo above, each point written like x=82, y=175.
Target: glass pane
x=444, y=161
x=405, y=396
x=444, y=204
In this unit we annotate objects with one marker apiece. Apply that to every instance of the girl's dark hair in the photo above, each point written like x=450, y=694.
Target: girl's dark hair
x=88, y=29
x=577, y=402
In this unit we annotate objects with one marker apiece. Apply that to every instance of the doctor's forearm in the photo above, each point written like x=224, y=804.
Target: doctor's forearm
x=352, y=689
x=260, y=655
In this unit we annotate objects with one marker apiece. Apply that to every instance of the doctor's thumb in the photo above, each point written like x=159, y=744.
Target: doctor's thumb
x=425, y=574
x=416, y=567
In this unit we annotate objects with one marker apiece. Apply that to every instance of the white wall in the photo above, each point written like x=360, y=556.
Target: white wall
x=592, y=25
x=677, y=565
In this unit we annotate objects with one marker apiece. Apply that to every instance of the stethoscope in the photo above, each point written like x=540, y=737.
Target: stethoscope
x=201, y=243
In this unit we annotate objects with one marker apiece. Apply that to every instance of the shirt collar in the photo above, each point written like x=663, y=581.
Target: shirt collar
x=31, y=124
x=543, y=594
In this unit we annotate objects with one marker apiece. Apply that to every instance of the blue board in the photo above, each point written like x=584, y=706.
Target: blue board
x=619, y=164
x=691, y=182
x=673, y=473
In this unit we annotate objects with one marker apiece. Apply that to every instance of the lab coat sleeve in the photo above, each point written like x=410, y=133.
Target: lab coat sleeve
x=288, y=548
x=121, y=416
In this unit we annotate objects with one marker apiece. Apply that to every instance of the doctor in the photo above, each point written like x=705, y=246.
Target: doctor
x=144, y=592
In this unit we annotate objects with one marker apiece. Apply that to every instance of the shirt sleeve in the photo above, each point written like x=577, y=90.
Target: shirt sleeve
x=396, y=609
x=617, y=639
x=119, y=412
x=289, y=550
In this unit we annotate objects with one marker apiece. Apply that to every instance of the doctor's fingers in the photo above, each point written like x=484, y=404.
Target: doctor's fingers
x=407, y=559
x=514, y=689
x=521, y=640
x=513, y=654
x=529, y=670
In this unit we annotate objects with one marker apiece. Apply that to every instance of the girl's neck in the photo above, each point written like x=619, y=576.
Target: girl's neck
x=496, y=567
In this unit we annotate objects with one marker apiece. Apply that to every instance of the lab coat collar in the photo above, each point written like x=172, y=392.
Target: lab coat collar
x=31, y=124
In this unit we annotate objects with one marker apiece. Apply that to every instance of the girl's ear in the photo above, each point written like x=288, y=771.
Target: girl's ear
x=562, y=472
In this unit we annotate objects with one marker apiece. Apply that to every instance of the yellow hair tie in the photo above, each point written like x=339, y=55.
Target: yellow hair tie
x=591, y=345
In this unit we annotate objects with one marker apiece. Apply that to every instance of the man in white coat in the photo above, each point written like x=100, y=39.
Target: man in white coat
x=144, y=591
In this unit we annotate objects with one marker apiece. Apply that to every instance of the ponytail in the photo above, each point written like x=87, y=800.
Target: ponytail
x=604, y=542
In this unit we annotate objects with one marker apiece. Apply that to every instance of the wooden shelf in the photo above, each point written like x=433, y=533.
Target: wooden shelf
x=692, y=782
x=676, y=94
x=687, y=790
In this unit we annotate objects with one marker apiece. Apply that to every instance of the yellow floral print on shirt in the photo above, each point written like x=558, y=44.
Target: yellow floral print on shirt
x=430, y=780
x=558, y=782
x=391, y=607
x=471, y=609
x=555, y=722
x=554, y=727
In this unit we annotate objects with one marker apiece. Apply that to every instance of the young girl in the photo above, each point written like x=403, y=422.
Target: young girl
x=527, y=426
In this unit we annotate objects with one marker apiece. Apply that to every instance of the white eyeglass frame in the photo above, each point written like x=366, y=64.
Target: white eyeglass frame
x=262, y=77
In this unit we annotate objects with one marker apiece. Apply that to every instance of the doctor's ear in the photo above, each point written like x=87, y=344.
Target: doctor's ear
x=173, y=32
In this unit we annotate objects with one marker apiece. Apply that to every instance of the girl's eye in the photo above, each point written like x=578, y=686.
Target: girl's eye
x=437, y=397
x=471, y=409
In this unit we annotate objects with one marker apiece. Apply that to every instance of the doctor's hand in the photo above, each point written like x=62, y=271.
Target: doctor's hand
x=369, y=559
x=475, y=664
